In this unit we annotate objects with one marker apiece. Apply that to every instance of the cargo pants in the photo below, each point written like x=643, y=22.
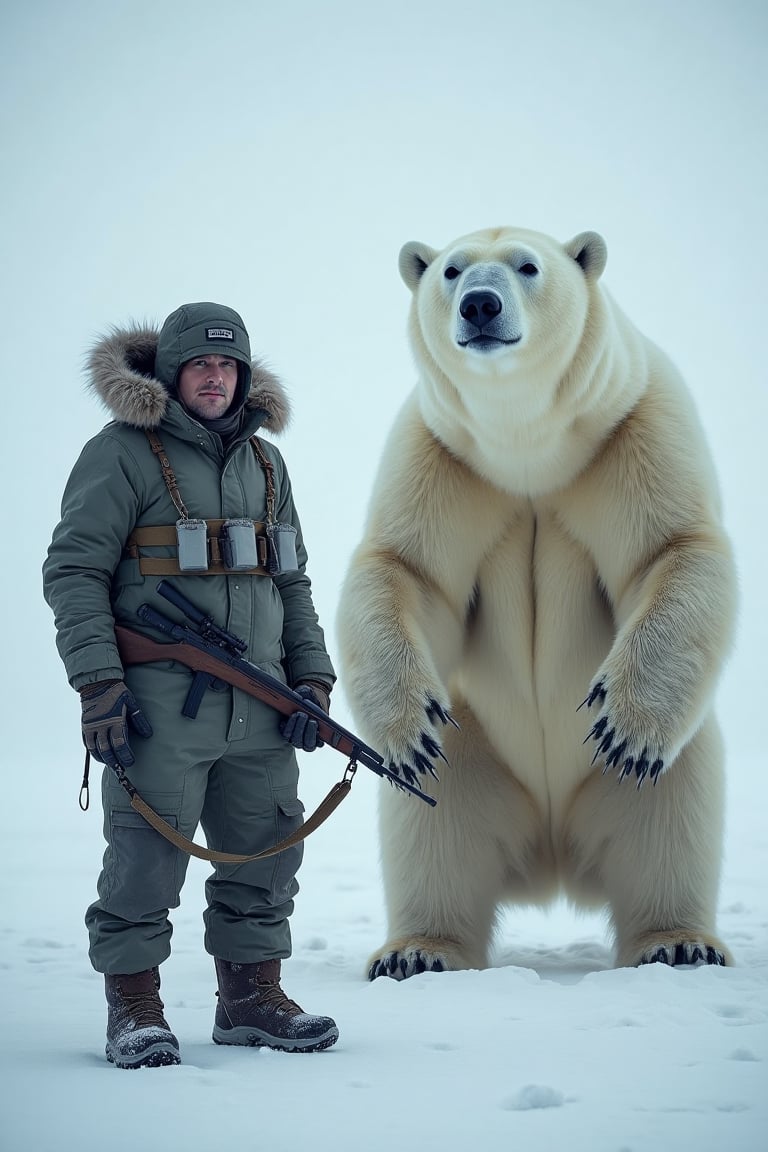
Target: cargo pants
x=228, y=770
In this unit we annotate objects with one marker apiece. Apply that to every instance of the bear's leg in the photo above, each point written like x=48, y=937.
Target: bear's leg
x=446, y=869
x=654, y=855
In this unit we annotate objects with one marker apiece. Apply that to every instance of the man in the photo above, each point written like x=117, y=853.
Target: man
x=175, y=462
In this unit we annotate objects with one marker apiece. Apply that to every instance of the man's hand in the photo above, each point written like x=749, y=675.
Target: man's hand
x=108, y=708
x=300, y=729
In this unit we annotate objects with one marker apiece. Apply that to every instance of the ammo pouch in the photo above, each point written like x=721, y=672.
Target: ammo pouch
x=215, y=547
x=281, y=541
x=238, y=545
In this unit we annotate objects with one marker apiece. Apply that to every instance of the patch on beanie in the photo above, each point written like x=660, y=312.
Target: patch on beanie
x=219, y=334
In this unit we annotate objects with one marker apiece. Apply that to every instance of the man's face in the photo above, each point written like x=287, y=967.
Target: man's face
x=207, y=385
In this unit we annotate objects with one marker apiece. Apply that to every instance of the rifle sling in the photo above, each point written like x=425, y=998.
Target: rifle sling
x=318, y=817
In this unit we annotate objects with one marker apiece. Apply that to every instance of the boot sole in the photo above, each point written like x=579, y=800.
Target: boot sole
x=253, y=1038
x=156, y=1057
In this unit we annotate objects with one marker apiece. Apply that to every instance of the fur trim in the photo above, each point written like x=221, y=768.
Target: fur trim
x=120, y=369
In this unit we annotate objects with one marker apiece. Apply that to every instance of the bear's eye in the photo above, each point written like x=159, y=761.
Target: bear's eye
x=451, y=272
x=529, y=269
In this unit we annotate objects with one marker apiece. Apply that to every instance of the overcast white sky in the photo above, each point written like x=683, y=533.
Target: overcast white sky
x=275, y=157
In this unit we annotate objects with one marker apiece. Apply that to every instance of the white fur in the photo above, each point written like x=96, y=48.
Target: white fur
x=545, y=520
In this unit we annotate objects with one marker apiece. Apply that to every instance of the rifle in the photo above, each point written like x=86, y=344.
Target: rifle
x=214, y=654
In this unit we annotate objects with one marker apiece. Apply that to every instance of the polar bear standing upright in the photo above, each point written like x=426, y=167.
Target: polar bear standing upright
x=545, y=530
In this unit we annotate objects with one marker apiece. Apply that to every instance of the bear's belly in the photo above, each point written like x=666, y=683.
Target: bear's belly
x=540, y=631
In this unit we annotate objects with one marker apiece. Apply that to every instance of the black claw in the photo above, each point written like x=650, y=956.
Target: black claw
x=660, y=956
x=408, y=773
x=656, y=768
x=607, y=740
x=641, y=767
x=597, y=690
x=403, y=966
x=715, y=957
x=424, y=765
x=696, y=955
x=681, y=955
x=430, y=746
x=436, y=710
x=419, y=966
x=420, y=762
x=626, y=770
x=617, y=752
x=436, y=965
x=597, y=729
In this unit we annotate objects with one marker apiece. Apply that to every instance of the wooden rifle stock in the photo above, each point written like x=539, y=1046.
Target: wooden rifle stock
x=135, y=648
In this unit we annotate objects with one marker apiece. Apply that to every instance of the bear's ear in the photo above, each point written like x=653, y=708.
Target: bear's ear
x=590, y=251
x=415, y=258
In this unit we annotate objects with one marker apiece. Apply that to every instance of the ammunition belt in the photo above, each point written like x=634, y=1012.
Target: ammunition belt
x=164, y=536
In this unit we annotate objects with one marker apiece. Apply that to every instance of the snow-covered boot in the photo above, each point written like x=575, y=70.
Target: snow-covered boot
x=252, y=1009
x=138, y=1035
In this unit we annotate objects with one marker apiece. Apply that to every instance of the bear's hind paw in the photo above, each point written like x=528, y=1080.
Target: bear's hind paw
x=681, y=948
x=399, y=965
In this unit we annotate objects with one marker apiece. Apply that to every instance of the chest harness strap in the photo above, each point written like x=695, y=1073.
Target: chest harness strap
x=164, y=535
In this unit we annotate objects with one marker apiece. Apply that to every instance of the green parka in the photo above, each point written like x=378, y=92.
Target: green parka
x=117, y=485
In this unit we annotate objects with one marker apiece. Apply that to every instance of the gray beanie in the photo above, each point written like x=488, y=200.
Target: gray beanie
x=201, y=330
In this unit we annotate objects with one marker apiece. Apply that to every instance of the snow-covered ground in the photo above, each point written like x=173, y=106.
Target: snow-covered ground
x=551, y=1048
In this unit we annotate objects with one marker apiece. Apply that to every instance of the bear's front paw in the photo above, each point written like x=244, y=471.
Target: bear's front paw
x=622, y=740
x=419, y=755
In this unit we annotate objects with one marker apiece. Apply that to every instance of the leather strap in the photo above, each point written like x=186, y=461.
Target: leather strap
x=318, y=817
x=324, y=809
x=169, y=475
x=164, y=536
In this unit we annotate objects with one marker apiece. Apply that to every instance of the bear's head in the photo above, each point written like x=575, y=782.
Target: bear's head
x=502, y=305
x=522, y=354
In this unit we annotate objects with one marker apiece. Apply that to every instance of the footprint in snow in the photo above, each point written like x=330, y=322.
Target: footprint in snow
x=533, y=1096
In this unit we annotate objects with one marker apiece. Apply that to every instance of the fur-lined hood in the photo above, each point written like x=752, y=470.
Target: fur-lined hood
x=121, y=368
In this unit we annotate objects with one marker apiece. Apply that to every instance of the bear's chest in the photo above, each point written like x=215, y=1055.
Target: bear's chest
x=540, y=611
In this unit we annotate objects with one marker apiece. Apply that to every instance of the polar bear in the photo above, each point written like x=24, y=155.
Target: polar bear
x=537, y=615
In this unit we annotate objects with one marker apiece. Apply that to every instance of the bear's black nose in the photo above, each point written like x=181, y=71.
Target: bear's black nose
x=480, y=307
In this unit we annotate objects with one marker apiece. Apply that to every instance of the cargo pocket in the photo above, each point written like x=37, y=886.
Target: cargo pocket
x=289, y=817
x=144, y=872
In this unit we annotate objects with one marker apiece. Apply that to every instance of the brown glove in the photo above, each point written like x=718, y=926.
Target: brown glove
x=108, y=707
x=320, y=692
x=300, y=729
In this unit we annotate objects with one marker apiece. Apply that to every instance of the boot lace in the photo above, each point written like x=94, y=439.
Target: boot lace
x=272, y=996
x=145, y=1009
